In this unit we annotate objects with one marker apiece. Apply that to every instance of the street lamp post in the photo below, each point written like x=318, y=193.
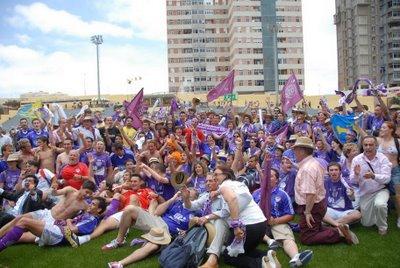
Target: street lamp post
x=97, y=40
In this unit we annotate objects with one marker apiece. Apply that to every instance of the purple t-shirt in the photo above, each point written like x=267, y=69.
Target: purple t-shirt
x=33, y=136
x=199, y=183
x=9, y=178
x=286, y=182
x=177, y=217
x=336, y=196
x=100, y=167
x=165, y=190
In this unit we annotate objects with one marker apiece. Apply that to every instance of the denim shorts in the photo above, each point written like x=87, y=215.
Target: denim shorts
x=395, y=176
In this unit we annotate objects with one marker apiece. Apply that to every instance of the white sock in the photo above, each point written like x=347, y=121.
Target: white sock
x=271, y=241
x=83, y=239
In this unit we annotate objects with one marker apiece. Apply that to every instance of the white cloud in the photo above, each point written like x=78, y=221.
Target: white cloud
x=148, y=17
x=23, y=38
x=320, y=47
x=48, y=20
x=23, y=70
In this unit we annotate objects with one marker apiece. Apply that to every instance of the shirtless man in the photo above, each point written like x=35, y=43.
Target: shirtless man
x=37, y=221
x=45, y=154
x=25, y=153
x=63, y=158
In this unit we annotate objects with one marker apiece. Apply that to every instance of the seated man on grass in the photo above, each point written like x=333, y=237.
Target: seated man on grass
x=339, y=206
x=171, y=217
x=281, y=214
x=41, y=222
x=131, y=193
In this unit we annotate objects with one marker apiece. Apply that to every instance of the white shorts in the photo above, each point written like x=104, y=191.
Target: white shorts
x=117, y=216
x=43, y=215
x=336, y=214
x=51, y=235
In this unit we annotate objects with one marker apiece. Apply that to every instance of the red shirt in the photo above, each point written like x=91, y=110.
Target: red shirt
x=188, y=136
x=142, y=195
x=68, y=172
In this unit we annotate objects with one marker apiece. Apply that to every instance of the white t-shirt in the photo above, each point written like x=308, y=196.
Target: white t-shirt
x=249, y=211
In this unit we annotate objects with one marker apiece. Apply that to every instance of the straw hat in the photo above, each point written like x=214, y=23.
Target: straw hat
x=88, y=118
x=157, y=236
x=148, y=120
x=304, y=142
x=179, y=179
x=394, y=107
x=13, y=157
x=154, y=160
x=209, y=227
x=206, y=157
x=293, y=137
x=222, y=155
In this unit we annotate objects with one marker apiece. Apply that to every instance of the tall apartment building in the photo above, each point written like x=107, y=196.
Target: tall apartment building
x=208, y=38
x=368, y=41
x=389, y=42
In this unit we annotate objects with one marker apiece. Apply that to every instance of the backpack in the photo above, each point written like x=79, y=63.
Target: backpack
x=187, y=251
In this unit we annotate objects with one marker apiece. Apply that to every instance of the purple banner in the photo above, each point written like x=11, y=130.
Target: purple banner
x=214, y=129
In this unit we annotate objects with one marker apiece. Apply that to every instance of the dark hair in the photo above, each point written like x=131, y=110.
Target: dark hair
x=4, y=147
x=276, y=172
x=136, y=175
x=35, y=179
x=129, y=160
x=338, y=142
x=23, y=118
x=334, y=164
x=118, y=146
x=89, y=138
x=227, y=171
x=89, y=185
x=43, y=139
x=102, y=204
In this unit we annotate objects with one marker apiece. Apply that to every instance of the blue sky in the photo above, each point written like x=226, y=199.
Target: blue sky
x=46, y=46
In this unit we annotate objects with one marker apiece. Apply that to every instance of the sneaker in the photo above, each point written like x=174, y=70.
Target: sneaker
x=382, y=231
x=115, y=265
x=301, y=259
x=350, y=237
x=274, y=245
x=71, y=237
x=137, y=241
x=113, y=245
x=270, y=261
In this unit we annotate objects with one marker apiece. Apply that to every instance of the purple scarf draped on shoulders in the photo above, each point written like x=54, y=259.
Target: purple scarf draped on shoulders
x=265, y=202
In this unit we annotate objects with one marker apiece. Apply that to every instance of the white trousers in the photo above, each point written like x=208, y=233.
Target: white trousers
x=374, y=209
x=221, y=234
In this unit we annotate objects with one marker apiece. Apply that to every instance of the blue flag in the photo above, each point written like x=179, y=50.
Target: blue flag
x=341, y=124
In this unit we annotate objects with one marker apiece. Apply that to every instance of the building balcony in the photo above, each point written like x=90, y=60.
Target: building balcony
x=362, y=2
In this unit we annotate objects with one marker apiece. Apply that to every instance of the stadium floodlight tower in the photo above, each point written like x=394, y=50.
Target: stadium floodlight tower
x=97, y=40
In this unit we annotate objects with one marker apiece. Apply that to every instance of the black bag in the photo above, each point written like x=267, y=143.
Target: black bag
x=187, y=251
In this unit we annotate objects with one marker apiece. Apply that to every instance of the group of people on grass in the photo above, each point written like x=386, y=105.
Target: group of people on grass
x=71, y=181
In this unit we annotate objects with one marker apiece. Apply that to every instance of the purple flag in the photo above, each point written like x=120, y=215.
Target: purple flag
x=280, y=134
x=291, y=93
x=174, y=106
x=224, y=87
x=265, y=202
x=134, y=109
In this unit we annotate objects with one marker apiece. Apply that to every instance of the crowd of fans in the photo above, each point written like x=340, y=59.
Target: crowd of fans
x=71, y=181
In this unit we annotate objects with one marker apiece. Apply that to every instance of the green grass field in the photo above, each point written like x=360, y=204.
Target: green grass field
x=373, y=251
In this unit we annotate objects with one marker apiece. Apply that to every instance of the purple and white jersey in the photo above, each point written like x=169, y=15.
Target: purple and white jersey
x=199, y=183
x=100, y=166
x=302, y=128
x=9, y=178
x=34, y=135
x=336, y=196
